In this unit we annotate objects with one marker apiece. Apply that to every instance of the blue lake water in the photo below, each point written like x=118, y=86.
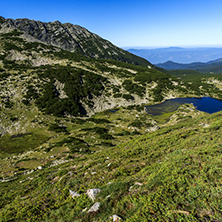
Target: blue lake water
x=205, y=104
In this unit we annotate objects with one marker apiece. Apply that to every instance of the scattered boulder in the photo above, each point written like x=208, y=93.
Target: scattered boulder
x=73, y=194
x=92, y=193
x=116, y=218
x=94, y=208
x=206, y=125
x=154, y=128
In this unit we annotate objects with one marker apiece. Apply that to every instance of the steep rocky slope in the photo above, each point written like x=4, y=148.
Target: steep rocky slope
x=73, y=38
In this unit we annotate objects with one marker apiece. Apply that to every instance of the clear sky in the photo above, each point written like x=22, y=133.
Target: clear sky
x=138, y=23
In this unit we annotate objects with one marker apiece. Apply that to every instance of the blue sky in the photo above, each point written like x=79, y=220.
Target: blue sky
x=140, y=23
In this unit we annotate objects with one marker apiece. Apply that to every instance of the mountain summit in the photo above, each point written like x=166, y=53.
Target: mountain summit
x=73, y=38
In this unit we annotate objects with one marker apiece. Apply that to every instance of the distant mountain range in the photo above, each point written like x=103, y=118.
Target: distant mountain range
x=178, y=55
x=214, y=66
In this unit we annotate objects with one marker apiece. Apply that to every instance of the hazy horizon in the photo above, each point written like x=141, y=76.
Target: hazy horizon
x=178, y=54
x=167, y=47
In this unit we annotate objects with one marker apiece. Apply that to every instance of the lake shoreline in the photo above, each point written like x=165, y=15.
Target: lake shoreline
x=204, y=104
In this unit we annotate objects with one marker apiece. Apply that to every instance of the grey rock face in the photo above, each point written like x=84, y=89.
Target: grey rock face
x=52, y=33
x=71, y=37
x=66, y=36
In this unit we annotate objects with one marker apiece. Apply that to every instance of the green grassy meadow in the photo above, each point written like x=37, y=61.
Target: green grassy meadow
x=172, y=174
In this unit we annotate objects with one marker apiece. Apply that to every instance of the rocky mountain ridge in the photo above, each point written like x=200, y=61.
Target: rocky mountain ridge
x=71, y=37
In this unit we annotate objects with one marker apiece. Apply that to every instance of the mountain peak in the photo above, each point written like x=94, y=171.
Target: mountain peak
x=72, y=38
x=57, y=22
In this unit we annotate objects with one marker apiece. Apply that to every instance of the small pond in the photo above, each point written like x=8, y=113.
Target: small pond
x=205, y=104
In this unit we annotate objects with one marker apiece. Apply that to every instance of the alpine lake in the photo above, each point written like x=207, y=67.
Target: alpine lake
x=205, y=104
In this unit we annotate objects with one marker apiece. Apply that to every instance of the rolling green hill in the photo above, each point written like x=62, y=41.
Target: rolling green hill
x=173, y=174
